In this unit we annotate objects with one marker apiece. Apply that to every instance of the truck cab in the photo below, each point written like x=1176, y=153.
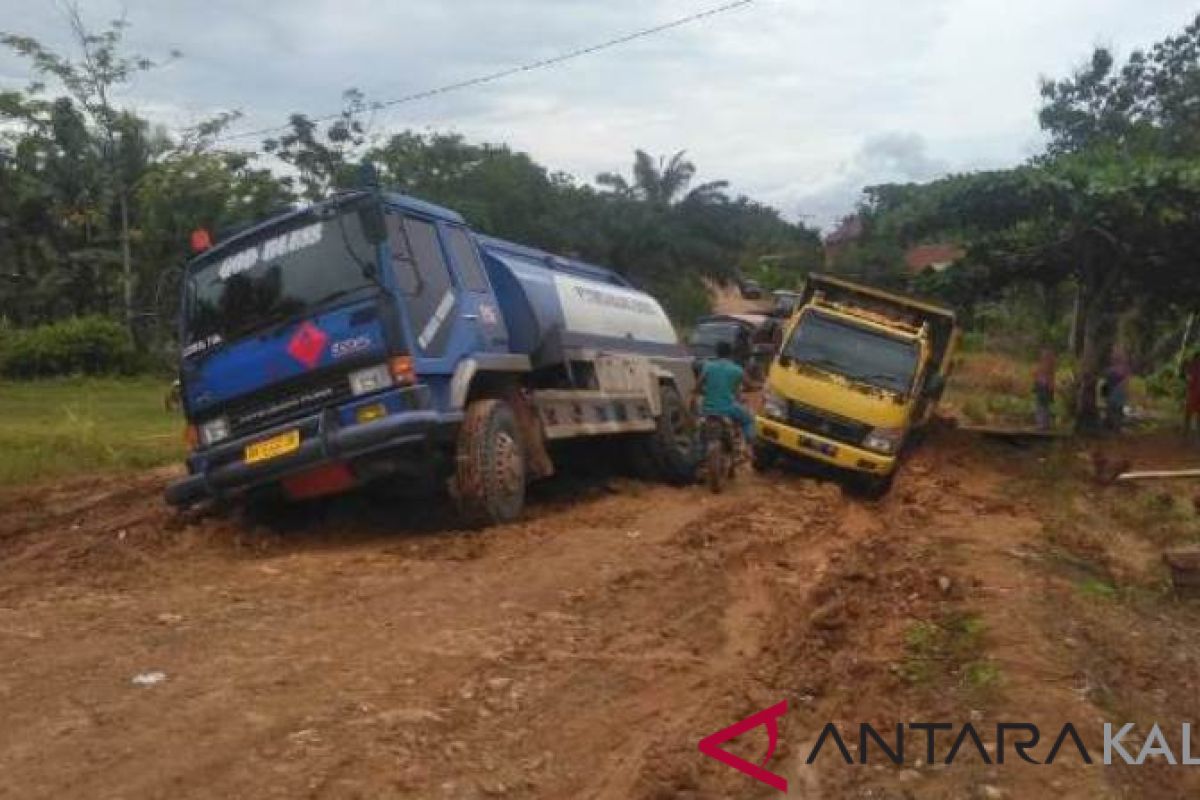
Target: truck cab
x=785, y=302
x=859, y=370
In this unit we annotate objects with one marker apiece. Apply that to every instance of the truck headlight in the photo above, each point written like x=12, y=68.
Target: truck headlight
x=371, y=379
x=213, y=431
x=884, y=440
x=774, y=406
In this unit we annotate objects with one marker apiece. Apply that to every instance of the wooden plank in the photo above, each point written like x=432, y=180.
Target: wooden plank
x=1158, y=474
x=1013, y=432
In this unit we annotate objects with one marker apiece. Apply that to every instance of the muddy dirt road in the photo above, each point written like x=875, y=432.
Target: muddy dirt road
x=368, y=649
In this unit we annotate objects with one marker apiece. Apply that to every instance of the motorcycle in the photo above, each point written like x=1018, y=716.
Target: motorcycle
x=721, y=448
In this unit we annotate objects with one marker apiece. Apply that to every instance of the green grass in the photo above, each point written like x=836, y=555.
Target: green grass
x=950, y=650
x=70, y=426
x=1096, y=589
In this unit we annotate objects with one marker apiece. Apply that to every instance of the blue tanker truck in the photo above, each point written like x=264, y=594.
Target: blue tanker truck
x=376, y=337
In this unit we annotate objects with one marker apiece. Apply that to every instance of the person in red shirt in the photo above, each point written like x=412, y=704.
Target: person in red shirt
x=1191, y=408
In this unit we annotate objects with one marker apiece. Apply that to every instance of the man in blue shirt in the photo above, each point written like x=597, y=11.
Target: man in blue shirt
x=720, y=383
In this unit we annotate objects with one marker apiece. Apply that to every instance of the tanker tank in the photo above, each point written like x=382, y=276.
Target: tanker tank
x=558, y=308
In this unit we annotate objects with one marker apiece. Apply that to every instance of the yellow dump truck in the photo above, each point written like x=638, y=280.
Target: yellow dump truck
x=860, y=369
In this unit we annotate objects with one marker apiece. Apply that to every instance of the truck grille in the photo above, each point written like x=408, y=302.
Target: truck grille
x=290, y=400
x=828, y=425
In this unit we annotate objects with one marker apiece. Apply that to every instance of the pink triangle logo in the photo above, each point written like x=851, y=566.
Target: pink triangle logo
x=769, y=717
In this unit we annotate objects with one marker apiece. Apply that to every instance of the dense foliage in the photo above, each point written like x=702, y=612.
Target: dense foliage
x=72, y=346
x=1110, y=210
x=96, y=202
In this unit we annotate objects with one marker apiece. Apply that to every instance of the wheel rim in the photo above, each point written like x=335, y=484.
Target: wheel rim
x=507, y=464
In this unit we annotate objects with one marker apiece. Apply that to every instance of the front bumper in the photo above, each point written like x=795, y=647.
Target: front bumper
x=222, y=471
x=820, y=448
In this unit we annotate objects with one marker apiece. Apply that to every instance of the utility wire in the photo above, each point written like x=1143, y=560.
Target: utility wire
x=505, y=73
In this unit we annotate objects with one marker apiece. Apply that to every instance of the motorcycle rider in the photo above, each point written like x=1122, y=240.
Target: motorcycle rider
x=719, y=385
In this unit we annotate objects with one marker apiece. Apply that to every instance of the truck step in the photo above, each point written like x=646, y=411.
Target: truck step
x=570, y=413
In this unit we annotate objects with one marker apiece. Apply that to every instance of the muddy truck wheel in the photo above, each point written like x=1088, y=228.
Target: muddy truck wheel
x=669, y=453
x=872, y=487
x=763, y=456
x=489, y=481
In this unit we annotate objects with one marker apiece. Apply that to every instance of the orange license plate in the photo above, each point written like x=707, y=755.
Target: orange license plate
x=274, y=447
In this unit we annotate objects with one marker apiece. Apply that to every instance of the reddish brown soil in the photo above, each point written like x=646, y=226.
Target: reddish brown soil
x=367, y=648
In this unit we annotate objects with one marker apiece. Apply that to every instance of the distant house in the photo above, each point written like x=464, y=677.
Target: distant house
x=847, y=233
x=935, y=257
x=917, y=259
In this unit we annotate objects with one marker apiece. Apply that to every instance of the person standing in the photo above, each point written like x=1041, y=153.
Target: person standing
x=1043, y=389
x=1116, y=391
x=1191, y=407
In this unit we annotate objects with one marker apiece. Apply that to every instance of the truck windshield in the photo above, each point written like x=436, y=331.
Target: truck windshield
x=854, y=352
x=707, y=335
x=284, y=272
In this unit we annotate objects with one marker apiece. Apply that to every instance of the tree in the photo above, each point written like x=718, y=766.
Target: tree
x=1108, y=209
x=1149, y=103
x=325, y=159
x=90, y=80
x=1123, y=230
x=663, y=182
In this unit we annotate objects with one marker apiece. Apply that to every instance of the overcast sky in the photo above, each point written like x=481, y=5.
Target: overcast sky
x=799, y=103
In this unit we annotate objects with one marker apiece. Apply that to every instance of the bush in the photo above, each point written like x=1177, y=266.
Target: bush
x=1165, y=383
x=975, y=410
x=972, y=342
x=79, y=345
x=995, y=374
x=685, y=298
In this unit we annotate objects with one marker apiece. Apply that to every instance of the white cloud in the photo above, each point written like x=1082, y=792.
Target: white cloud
x=797, y=102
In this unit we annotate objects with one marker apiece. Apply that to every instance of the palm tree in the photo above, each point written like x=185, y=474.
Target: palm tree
x=662, y=182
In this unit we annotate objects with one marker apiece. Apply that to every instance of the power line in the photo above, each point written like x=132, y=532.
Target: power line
x=505, y=73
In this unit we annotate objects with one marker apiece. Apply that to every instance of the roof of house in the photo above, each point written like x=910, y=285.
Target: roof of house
x=851, y=228
x=932, y=256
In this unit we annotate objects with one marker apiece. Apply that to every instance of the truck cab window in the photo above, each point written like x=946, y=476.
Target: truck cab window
x=431, y=303
x=402, y=265
x=466, y=258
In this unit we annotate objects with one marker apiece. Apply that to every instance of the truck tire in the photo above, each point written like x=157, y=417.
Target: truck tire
x=873, y=487
x=489, y=481
x=670, y=449
x=763, y=456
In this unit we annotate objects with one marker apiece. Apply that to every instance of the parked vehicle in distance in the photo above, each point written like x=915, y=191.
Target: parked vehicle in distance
x=376, y=337
x=751, y=338
x=750, y=289
x=860, y=369
x=786, y=302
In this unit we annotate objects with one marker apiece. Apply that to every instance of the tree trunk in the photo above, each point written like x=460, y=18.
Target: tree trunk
x=1098, y=327
x=1187, y=339
x=1099, y=333
x=1075, y=343
x=126, y=263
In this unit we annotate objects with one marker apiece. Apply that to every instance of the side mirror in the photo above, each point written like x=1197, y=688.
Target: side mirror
x=935, y=386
